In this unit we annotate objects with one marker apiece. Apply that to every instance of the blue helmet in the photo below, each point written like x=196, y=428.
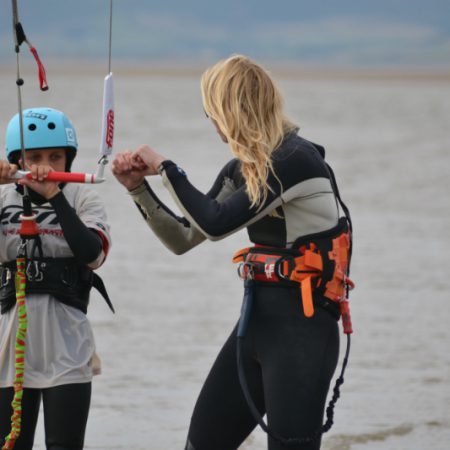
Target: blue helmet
x=42, y=128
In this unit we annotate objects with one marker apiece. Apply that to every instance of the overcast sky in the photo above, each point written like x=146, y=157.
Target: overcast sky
x=336, y=33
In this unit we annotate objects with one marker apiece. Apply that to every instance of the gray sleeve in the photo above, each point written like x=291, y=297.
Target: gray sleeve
x=175, y=232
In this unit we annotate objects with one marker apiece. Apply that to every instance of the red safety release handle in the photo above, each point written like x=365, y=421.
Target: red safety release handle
x=345, y=316
x=41, y=70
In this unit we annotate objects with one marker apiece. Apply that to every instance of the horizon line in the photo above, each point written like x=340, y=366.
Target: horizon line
x=286, y=69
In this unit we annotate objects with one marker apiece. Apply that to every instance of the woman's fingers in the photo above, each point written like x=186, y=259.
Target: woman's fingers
x=124, y=163
x=137, y=162
x=146, y=154
x=120, y=163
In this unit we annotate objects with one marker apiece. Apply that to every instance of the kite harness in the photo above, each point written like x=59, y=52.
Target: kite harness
x=318, y=263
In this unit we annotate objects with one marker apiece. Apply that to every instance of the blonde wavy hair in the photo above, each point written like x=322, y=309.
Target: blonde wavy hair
x=243, y=100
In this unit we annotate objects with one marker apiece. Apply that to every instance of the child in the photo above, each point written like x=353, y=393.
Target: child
x=74, y=234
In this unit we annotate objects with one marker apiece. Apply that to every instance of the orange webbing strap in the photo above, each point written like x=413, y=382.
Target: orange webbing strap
x=307, y=266
x=240, y=255
x=307, y=300
x=335, y=288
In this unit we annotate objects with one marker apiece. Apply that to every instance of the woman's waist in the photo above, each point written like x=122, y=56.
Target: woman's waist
x=279, y=299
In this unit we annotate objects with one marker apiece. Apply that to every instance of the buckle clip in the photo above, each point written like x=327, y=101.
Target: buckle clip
x=5, y=276
x=245, y=271
x=284, y=267
x=34, y=271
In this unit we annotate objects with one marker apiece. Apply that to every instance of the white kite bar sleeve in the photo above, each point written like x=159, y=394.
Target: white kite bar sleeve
x=106, y=145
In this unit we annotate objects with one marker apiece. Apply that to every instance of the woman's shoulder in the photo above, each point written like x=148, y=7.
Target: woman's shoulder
x=294, y=146
x=300, y=157
x=231, y=170
x=230, y=167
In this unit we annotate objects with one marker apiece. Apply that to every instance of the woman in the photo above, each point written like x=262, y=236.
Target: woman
x=278, y=187
x=73, y=239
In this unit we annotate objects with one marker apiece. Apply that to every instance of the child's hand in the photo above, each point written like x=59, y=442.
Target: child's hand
x=7, y=170
x=47, y=189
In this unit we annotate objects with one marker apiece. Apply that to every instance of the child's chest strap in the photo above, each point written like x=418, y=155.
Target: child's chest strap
x=64, y=278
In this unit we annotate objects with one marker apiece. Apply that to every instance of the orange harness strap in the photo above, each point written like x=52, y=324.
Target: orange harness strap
x=240, y=255
x=335, y=288
x=308, y=266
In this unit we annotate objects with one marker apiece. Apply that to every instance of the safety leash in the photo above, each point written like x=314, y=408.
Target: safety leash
x=28, y=232
x=241, y=331
x=19, y=359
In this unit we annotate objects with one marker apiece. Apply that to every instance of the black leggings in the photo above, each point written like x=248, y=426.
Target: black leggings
x=289, y=361
x=66, y=410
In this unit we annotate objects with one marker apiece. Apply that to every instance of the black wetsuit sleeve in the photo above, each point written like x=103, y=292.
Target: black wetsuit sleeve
x=216, y=220
x=86, y=244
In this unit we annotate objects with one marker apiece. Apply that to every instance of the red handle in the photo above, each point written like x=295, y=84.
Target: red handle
x=41, y=70
x=68, y=177
x=345, y=316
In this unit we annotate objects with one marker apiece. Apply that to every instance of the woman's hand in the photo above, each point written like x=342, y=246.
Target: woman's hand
x=47, y=189
x=130, y=168
x=129, y=173
x=7, y=170
x=146, y=156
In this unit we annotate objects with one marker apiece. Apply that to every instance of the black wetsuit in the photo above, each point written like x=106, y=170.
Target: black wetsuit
x=66, y=409
x=289, y=359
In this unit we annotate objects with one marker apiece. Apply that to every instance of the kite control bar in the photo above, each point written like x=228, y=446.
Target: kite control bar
x=63, y=177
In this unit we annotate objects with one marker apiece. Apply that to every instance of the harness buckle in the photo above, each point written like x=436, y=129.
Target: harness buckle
x=5, y=276
x=245, y=271
x=35, y=271
x=284, y=267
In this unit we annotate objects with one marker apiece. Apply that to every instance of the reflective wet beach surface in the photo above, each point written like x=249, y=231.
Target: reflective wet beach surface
x=389, y=143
